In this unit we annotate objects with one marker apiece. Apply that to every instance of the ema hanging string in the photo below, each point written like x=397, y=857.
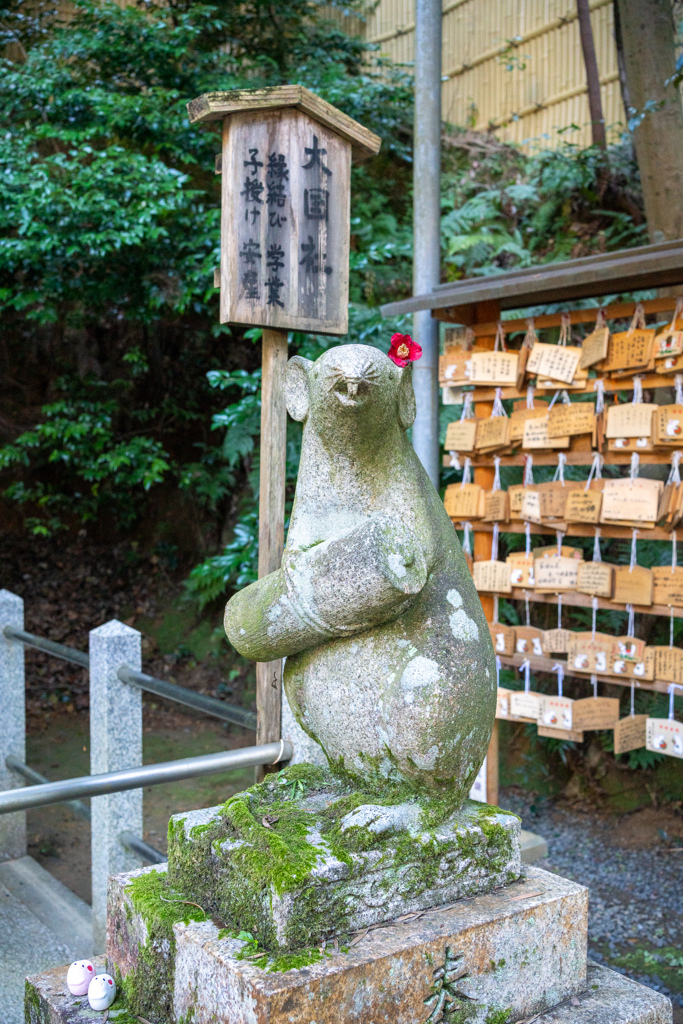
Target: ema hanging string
x=631, y=628
x=499, y=344
x=597, y=556
x=671, y=626
x=637, y=391
x=674, y=476
x=467, y=472
x=561, y=463
x=634, y=552
x=496, y=475
x=638, y=319
x=674, y=557
x=559, y=611
x=498, y=409
x=466, y=540
x=634, y=683
x=559, y=668
x=635, y=467
x=595, y=470
x=594, y=681
x=528, y=479
x=467, y=408
x=678, y=383
x=564, y=397
x=530, y=396
x=560, y=537
x=530, y=338
x=494, y=542
x=527, y=537
x=525, y=667
x=599, y=388
x=497, y=671
x=565, y=329
x=672, y=687
x=526, y=607
x=594, y=602
x=495, y=607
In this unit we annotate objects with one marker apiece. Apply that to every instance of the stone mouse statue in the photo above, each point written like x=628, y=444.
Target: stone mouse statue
x=390, y=665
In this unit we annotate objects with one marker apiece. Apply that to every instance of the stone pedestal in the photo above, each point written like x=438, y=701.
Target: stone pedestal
x=494, y=959
x=302, y=858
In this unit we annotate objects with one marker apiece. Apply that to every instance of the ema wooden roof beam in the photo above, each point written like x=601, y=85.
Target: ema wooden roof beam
x=612, y=273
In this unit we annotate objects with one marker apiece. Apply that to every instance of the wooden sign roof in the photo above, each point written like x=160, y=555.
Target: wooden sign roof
x=610, y=273
x=214, y=106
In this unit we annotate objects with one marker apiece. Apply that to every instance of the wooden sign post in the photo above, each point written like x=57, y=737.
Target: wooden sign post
x=285, y=229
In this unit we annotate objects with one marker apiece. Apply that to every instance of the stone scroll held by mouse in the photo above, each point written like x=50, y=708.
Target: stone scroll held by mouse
x=390, y=666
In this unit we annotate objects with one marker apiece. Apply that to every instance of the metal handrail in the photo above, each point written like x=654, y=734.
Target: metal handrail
x=170, y=691
x=147, y=775
x=31, y=775
x=48, y=646
x=192, y=699
x=141, y=848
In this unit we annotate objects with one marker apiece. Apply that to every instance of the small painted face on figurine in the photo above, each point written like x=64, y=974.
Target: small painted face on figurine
x=102, y=992
x=79, y=976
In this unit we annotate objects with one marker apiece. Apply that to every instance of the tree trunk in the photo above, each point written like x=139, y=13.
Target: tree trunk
x=592, y=76
x=649, y=56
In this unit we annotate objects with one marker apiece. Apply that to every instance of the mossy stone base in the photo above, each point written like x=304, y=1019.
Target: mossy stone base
x=304, y=858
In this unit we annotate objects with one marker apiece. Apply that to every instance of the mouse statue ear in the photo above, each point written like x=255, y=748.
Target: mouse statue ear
x=296, y=387
x=407, y=409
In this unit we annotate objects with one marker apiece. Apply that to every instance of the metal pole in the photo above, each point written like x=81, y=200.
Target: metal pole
x=426, y=228
x=145, y=775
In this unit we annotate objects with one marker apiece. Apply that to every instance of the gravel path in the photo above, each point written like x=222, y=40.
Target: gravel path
x=636, y=895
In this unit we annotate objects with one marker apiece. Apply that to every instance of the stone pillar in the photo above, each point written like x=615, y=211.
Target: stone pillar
x=13, y=730
x=115, y=743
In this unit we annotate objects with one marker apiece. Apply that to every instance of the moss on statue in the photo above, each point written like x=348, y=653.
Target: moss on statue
x=148, y=990
x=273, y=840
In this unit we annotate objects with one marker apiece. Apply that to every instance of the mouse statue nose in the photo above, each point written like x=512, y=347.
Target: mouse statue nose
x=352, y=387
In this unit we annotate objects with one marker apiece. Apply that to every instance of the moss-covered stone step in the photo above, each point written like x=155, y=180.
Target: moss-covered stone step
x=521, y=949
x=304, y=858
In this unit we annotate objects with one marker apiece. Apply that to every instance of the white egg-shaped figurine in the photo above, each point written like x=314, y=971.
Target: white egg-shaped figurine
x=79, y=976
x=102, y=992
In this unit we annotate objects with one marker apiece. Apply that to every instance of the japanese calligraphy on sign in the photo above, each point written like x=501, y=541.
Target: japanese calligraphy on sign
x=285, y=223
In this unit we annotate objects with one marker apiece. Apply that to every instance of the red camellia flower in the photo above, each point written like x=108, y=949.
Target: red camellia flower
x=404, y=350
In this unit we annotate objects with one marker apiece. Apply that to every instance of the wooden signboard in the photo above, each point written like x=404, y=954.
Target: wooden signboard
x=493, y=433
x=630, y=420
x=595, y=713
x=668, y=425
x=630, y=733
x=496, y=507
x=521, y=569
x=464, y=501
x=556, y=712
x=492, y=577
x=461, y=436
x=502, y=638
x=595, y=578
x=594, y=347
x=285, y=223
x=630, y=351
x=631, y=501
x=525, y=705
x=668, y=664
x=530, y=506
x=665, y=735
x=558, y=362
x=632, y=586
x=569, y=420
x=536, y=435
x=668, y=343
x=516, y=494
x=583, y=506
x=589, y=653
x=519, y=418
x=556, y=641
x=554, y=574
x=667, y=586
x=529, y=641
x=492, y=368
